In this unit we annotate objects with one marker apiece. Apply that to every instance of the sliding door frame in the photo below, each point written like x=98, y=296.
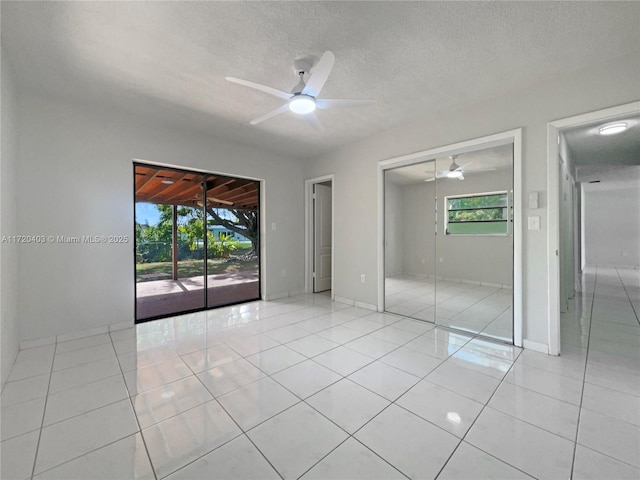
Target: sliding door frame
x=261, y=250
x=504, y=138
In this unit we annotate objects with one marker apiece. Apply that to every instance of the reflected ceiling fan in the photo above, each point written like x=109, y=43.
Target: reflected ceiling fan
x=454, y=170
x=303, y=97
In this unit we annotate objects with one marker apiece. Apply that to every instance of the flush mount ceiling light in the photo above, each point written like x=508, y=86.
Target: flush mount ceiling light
x=302, y=104
x=613, y=128
x=167, y=182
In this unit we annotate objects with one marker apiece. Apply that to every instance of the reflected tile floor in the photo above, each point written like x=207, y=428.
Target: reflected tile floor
x=307, y=388
x=474, y=308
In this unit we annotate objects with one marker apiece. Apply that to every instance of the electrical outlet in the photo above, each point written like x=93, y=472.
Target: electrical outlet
x=273, y=226
x=363, y=278
x=284, y=272
x=423, y=261
x=441, y=259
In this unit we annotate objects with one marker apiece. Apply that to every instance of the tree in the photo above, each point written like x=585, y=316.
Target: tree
x=246, y=223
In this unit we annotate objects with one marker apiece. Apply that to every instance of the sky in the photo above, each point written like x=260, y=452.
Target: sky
x=147, y=213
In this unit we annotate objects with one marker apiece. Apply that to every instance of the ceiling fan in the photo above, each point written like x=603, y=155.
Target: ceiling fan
x=303, y=97
x=454, y=170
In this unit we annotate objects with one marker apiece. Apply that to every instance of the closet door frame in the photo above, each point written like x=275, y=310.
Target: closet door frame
x=509, y=137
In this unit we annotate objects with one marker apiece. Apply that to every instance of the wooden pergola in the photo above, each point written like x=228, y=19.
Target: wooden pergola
x=174, y=187
x=165, y=186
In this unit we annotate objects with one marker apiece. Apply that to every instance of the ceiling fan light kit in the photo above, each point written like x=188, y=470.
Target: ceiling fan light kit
x=302, y=104
x=303, y=99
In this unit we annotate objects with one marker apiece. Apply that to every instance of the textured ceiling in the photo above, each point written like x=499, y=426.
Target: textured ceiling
x=480, y=161
x=588, y=147
x=169, y=59
x=607, y=158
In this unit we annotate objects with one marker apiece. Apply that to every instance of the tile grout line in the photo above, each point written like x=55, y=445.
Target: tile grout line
x=628, y=296
x=303, y=400
x=243, y=432
x=144, y=442
x=584, y=377
x=484, y=406
x=392, y=402
x=44, y=412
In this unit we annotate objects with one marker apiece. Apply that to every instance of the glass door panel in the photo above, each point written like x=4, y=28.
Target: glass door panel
x=233, y=258
x=474, y=246
x=169, y=231
x=410, y=241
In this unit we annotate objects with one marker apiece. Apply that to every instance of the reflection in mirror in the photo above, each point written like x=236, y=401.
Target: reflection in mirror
x=410, y=241
x=462, y=276
x=474, y=245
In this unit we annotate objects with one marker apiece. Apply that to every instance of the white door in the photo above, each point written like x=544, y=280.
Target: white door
x=321, y=238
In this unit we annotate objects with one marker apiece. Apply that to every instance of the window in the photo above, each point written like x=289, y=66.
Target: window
x=478, y=214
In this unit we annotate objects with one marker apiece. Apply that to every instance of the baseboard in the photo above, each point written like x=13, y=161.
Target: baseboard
x=66, y=337
x=36, y=342
x=276, y=296
x=82, y=334
x=347, y=301
x=367, y=306
x=535, y=346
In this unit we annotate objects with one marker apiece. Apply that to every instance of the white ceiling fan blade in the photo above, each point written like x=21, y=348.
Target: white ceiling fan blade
x=321, y=71
x=284, y=108
x=263, y=88
x=342, y=102
x=432, y=179
x=313, y=121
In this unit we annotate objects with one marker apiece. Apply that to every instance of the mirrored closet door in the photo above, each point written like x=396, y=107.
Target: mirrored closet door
x=449, y=241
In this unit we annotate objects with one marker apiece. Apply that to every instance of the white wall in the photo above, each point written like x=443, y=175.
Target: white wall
x=75, y=177
x=355, y=167
x=8, y=251
x=612, y=225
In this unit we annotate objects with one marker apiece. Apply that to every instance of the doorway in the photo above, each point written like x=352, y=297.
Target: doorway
x=450, y=242
x=197, y=242
x=319, y=235
x=566, y=177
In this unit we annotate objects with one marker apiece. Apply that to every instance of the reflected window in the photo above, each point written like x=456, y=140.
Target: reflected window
x=478, y=214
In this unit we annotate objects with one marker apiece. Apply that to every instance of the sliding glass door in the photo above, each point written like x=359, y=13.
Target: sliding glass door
x=197, y=243
x=233, y=232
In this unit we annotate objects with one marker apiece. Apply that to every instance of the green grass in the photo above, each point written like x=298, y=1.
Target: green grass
x=192, y=268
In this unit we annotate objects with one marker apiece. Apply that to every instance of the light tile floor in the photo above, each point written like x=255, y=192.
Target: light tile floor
x=307, y=388
x=474, y=308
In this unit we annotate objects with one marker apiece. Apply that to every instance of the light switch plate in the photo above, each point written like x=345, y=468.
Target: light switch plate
x=534, y=223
